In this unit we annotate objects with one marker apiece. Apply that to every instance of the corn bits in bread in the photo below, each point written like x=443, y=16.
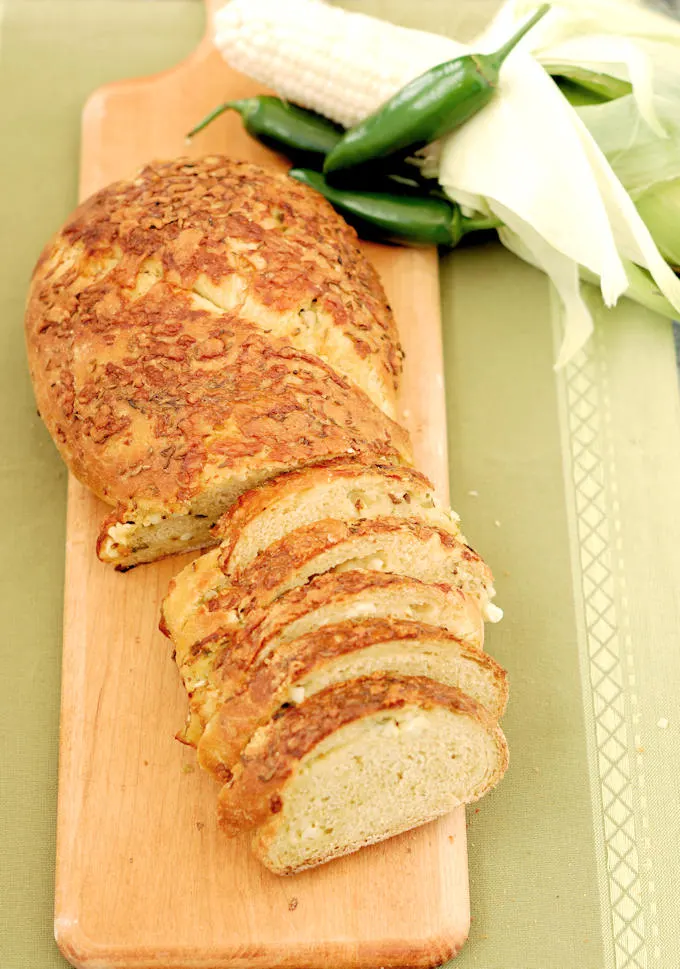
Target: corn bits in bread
x=198, y=329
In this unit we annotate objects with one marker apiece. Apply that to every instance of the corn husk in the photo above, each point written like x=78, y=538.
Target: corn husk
x=639, y=157
x=660, y=211
x=641, y=289
x=619, y=39
x=541, y=172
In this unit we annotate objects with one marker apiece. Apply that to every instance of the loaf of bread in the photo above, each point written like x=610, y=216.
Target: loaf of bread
x=216, y=359
x=198, y=329
x=358, y=762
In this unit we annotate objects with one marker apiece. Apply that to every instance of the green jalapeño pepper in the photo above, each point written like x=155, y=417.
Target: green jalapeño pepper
x=427, y=108
x=295, y=132
x=404, y=219
x=306, y=138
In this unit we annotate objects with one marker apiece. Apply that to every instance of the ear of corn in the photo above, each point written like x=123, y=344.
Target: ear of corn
x=574, y=211
x=342, y=65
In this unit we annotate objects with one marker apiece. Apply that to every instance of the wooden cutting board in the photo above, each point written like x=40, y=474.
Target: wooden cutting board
x=144, y=877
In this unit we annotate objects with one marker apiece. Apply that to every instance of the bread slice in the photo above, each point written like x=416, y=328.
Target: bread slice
x=338, y=489
x=336, y=596
x=266, y=514
x=344, y=651
x=359, y=762
x=215, y=667
x=393, y=545
x=402, y=546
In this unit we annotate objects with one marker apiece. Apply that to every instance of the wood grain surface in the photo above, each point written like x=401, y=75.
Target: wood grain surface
x=144, y=877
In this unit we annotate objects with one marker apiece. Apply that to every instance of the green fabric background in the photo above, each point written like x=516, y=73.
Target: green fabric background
x=52, y=55
x=540, y=853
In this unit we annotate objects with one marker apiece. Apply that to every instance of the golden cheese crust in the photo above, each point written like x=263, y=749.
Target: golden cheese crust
x=256, y=790
x=156, y=401
x=165, y=360
x=244, y=238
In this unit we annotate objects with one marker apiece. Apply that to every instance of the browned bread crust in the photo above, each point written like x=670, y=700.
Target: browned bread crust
x=167, y=354
x=286, y=251
x=256, y=790
x=159, y=428
x=228, y=731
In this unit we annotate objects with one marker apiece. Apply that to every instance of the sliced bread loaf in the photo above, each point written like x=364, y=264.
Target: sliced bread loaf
x=344, y=651
x=217, y=665
x=359, y=762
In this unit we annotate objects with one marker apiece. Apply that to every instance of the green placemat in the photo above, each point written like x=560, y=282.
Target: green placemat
x=566, y=483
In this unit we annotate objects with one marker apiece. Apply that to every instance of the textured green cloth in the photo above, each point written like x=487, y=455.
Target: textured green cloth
x=567, y=483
